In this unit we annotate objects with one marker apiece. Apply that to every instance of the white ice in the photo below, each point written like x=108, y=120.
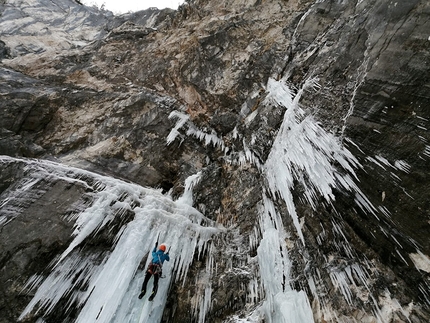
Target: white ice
x=112, y=277
x=282, y=304
x=183, y=121
x=303, y=151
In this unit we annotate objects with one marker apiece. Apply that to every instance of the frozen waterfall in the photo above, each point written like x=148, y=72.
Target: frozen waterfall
x=106, y=284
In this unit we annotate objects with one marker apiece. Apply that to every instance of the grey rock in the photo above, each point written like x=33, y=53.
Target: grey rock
x=94, y=90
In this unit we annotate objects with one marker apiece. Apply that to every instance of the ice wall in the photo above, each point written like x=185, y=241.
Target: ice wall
x=105, y=284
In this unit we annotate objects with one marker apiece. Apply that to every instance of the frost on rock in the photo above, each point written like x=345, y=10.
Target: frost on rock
x=104, y=285
x=12, y=205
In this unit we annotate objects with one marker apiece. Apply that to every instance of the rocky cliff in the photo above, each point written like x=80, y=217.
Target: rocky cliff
x=306, y=122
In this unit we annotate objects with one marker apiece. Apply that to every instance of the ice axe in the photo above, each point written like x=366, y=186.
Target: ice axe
x=156, y=242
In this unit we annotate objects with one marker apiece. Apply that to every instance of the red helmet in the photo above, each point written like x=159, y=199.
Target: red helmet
x=162, y=247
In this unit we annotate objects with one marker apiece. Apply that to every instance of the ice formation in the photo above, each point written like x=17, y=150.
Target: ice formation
x=192, y=130
x=282, y=304
x=303, y=153
x=112, y=278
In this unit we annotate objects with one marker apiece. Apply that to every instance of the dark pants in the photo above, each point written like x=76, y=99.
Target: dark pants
x=146, y=280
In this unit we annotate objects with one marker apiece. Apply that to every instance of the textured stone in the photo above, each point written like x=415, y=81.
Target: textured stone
x=98, y=94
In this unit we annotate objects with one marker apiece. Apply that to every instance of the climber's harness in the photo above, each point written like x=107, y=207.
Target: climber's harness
x=155, y=269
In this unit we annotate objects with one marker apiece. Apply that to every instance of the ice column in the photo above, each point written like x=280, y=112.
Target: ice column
x=282, y=303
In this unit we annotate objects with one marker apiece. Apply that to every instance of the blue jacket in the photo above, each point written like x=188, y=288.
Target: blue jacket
x=158, y=256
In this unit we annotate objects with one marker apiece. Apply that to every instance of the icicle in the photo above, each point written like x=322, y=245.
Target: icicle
x=427, y=151
x=340, y=280
x=207, y=138
x=421, y=261
x=402, y=165
x=187, y=197
x=304, y=152
x=282, y=304
x=111, y=277
x=182, y=119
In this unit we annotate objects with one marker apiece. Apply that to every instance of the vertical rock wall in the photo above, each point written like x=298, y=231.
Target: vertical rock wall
x=102, y=97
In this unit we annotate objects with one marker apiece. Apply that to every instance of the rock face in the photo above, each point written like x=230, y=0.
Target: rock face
x=155, y=96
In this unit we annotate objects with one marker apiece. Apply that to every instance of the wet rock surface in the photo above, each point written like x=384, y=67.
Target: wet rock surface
x=97, y=91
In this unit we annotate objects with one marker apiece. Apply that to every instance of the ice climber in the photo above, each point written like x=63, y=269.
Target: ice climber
x=155, y=268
